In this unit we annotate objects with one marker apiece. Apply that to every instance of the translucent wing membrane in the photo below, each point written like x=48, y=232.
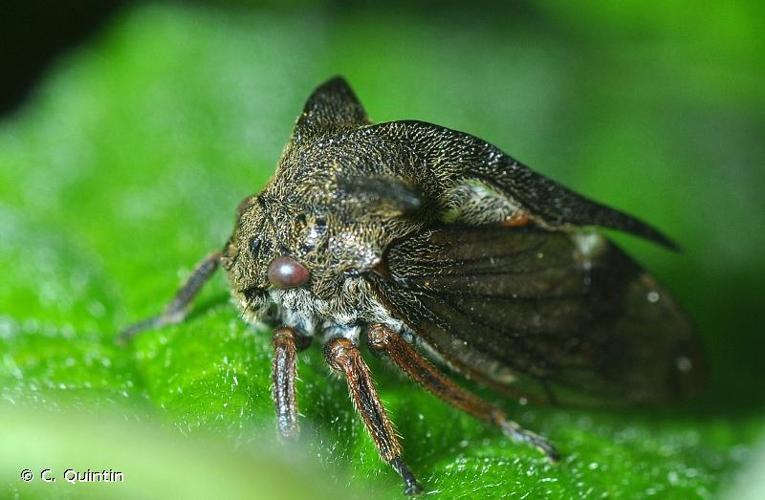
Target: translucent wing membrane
x=563, y=317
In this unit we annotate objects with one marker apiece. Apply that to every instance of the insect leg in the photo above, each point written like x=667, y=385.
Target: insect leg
x=419, y=369
x=283, y=376
x=343, y=356
x=176, y=310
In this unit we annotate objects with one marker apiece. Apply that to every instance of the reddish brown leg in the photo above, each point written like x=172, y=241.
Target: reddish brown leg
x=343, y=356
x=419, y=369
x=176, y=310
x=283, y=375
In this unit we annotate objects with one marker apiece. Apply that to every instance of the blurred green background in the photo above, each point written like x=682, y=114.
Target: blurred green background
x=125, y=164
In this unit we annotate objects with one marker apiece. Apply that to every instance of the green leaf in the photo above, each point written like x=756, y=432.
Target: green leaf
x=126, y=166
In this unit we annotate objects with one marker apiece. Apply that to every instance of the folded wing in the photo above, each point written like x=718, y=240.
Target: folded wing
x=560, y=316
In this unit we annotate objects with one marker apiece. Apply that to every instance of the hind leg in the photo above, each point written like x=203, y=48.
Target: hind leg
x=418, y=368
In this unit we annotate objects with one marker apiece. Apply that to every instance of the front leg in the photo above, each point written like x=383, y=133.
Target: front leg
x=283, y=376
x=176, y=310
x=343, y=356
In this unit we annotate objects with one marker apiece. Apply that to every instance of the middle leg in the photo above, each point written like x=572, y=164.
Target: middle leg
x=343, y=356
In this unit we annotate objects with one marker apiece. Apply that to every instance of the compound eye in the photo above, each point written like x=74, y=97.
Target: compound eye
x=286, y=272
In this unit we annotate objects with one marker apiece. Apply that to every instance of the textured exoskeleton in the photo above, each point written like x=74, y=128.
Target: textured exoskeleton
x=439, y=250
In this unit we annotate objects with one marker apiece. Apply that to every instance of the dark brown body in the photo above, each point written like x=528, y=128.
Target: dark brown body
x=438, y=244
